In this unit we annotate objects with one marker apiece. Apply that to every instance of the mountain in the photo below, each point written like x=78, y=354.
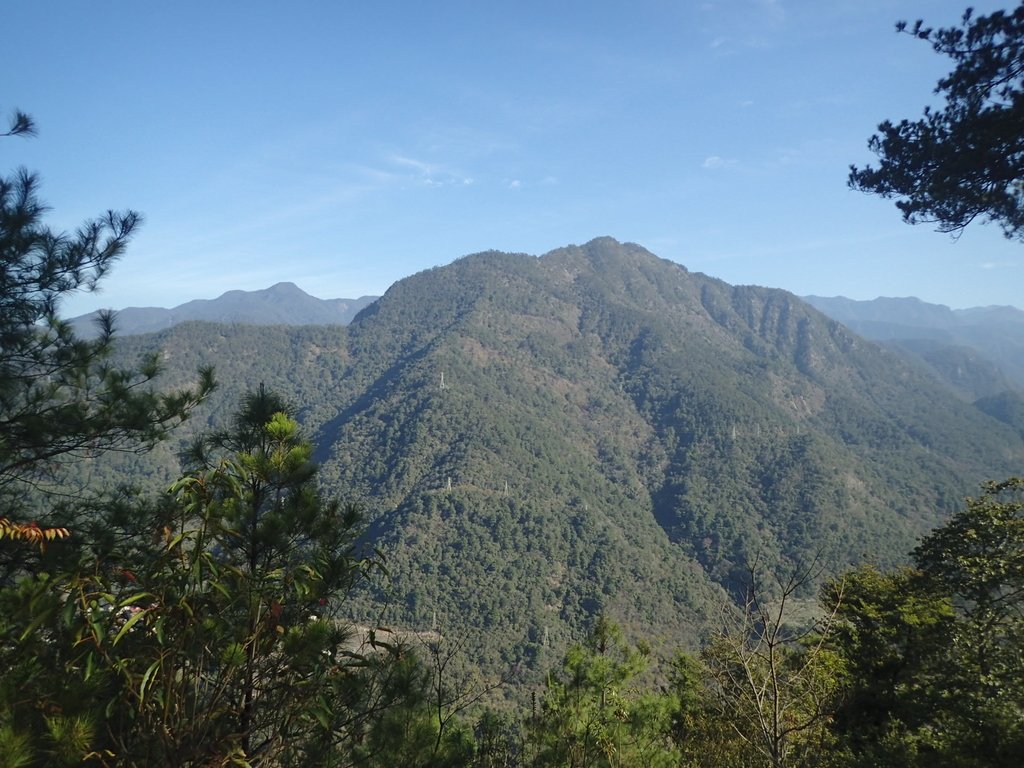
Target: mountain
x=281, y=304
x=979, y=351
x=599, y=430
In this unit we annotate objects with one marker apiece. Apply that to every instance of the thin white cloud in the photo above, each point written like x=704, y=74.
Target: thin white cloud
x=714, y=162
x=429, y=174
x=417, y=165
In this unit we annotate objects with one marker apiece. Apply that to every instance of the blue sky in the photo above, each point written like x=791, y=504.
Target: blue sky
x=343, y=146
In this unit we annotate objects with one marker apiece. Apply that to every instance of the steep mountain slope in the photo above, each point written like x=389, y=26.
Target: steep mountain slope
x=978, y=351
x=538, y=439
x=281, y=304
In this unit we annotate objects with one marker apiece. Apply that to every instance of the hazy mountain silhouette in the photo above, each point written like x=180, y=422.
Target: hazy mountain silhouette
x=979, y=351
x=281, y=304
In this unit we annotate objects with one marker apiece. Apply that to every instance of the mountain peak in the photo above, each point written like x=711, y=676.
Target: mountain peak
x=598, y=430
x=283, y=303
x=601, y=249
x=286, y=289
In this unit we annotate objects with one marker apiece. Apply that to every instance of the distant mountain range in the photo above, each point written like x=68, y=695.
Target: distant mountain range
x=537, y=440
x=978, y=352
x=281, y=304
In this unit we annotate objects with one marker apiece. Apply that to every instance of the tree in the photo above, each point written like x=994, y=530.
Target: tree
x=59, y=398
x=59, y=395
x=200, y=628
x=594, y=715
x=965, y=160
x=215, y=639
x=934, y=670
x=977, y=560
x=775, y=684
x=704, y=736
x=892, y=632
x=453, y=690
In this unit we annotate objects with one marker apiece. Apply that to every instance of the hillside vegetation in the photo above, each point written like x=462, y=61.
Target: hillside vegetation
x=537, y=440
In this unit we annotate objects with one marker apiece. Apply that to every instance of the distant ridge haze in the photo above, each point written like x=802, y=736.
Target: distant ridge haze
x=280, y=304
x=911, y=312
x=949, y=341
x=939, y=335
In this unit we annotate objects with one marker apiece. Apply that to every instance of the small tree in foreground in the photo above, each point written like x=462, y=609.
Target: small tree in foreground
x=933, y=653
x=595, y=714
x=775, y=684
x=214, y=640
x=59, y=395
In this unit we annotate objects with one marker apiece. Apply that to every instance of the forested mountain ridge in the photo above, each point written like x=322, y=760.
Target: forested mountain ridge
x=280, y=304
x=979, y=351
x=537, y=439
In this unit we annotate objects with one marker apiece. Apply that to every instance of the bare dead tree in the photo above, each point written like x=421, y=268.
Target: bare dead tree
x=775, y=680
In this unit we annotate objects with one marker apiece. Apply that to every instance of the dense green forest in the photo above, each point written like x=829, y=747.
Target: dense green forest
x=208, y=628
x=582, y=509
x=537, y=441
x=594, y=508
x=587, y=509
